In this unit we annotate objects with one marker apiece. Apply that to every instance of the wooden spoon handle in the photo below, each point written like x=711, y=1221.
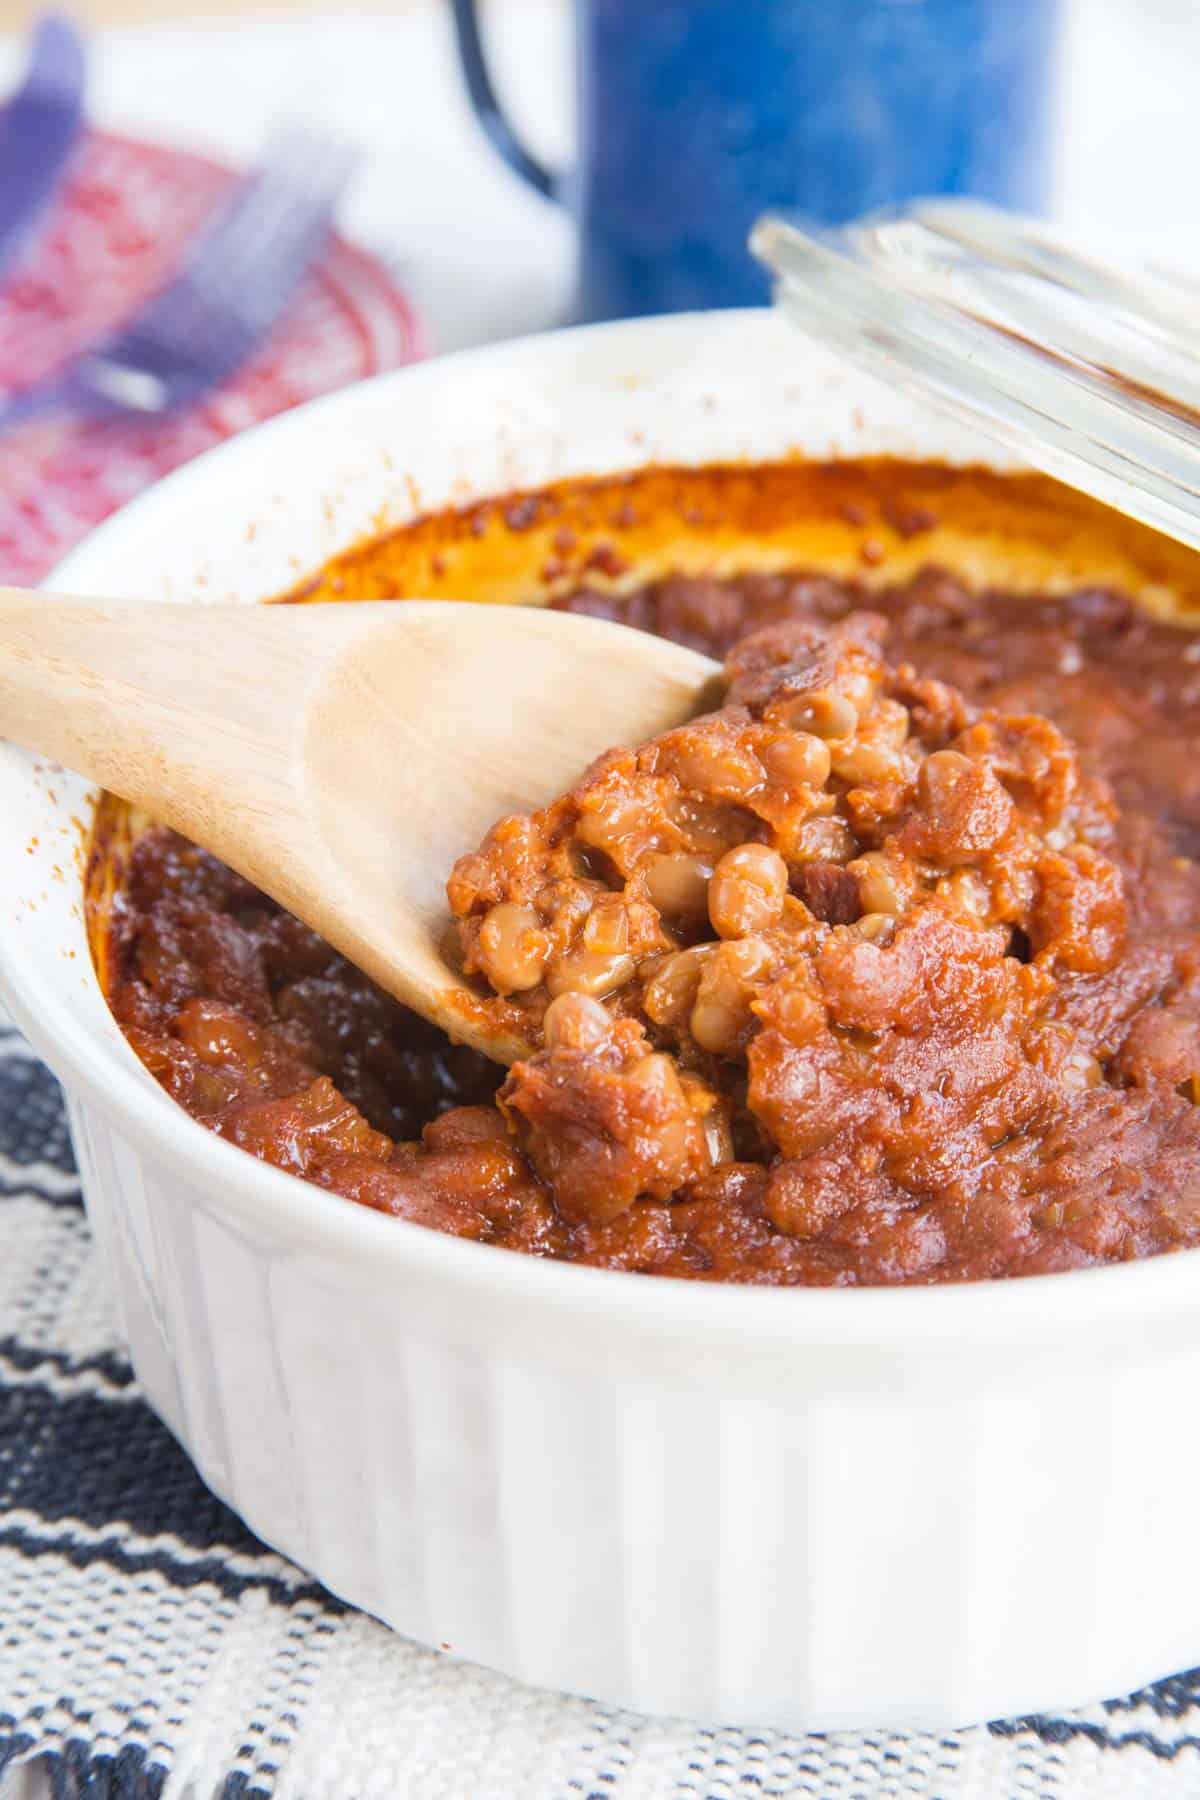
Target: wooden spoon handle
x=194, y=713
x=161, y=704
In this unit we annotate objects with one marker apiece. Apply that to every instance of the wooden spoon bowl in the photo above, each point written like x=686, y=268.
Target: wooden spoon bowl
x=340, y=757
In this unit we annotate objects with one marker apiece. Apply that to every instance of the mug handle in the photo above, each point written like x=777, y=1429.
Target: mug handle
x=488, y=108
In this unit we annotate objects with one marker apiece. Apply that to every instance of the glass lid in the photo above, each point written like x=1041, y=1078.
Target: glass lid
x=1089, y=372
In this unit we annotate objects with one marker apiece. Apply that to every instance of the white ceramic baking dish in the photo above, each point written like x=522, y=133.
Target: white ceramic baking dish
x=797, y=1508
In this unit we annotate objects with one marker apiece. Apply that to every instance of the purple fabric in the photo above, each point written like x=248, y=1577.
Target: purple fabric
x=38, y=130
x=234, y=286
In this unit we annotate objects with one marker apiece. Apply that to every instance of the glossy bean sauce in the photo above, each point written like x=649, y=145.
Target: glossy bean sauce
x=888, y=971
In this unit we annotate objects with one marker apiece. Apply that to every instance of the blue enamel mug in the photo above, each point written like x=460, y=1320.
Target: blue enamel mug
x=695, y=116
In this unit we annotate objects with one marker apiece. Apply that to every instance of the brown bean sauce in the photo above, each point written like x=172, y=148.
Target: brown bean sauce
x=941, y=1017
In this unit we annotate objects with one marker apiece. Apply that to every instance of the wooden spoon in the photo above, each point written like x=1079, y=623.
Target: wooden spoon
x=340, y=757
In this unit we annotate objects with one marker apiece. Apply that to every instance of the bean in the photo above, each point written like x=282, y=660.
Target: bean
x=858, y=687
x=944, y=778
x=879, y=886
x=798, y=1013
x=858, y=763
x=721, y=1017
x=1081, y=1072
x=747, y=891
x=575, y=1022
x=799, y=760
x=678, y=885
x=656, y=1071
x=824, y=712
x=968, y=891
x=967, y=810
x=615, y=818
x=671, y=995
x=1063, y=1057
x=674, y=1121
x=583, y=971
x=707, y=766
x=889, y=723
x=719, y=1020
x=512, y=948
x=713, y=1115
